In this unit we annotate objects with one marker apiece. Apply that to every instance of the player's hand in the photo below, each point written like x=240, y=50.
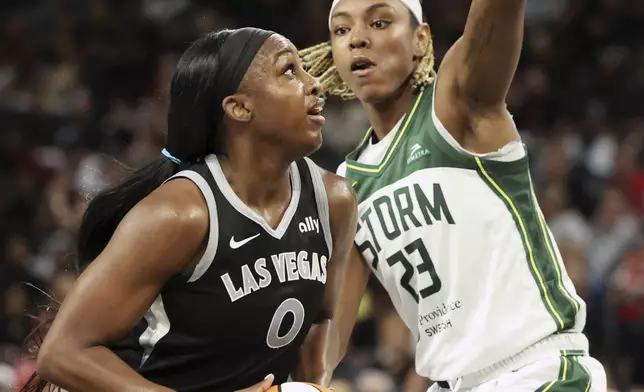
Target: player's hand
x=261, y=386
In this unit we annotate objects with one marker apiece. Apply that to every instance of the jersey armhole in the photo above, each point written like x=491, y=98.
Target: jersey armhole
x=510, y=152
x=198, y=270
x=322, y=202
x=342, y=170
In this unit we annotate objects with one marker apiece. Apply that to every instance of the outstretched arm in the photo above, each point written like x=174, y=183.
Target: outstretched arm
x=486, y=57
x=326, y=343
x=477, y=71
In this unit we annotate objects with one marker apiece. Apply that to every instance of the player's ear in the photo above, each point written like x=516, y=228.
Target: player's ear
x=237, y=107
x=422, y=39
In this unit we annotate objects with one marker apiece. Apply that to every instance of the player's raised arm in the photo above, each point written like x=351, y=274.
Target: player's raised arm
x=347, y=277
x=477, y=71
x=156, y=239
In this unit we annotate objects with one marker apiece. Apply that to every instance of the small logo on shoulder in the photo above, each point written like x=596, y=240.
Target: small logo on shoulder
x=417, y=151
x=310, y=224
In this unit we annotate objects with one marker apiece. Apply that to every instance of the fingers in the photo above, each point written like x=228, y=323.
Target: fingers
x=265, y=384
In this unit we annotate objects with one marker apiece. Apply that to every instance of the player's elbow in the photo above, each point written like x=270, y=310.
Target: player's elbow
x=50, y=361
x=46, y=364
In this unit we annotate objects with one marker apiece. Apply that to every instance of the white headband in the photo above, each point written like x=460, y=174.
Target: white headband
x=414, y=6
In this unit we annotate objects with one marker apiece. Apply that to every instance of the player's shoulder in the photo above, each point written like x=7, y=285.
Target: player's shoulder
x=340, y=194
x=178, y=204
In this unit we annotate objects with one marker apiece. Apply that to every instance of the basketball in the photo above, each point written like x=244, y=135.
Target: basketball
x=298, y=387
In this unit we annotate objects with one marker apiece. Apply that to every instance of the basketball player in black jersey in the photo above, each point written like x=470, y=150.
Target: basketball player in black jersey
x=206, y=269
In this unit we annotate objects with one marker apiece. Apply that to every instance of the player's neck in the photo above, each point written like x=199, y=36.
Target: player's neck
x=259, y=180
x=383, y=116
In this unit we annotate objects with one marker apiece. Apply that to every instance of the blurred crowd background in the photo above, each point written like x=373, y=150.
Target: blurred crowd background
x=84, y=82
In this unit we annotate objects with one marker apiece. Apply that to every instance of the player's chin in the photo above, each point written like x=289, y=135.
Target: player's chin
x=373, y=93
x=313, y=140
x=307, y=141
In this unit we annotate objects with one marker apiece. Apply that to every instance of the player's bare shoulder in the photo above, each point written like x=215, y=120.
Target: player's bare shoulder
x=342, y=198
x=180, y=204
x=342, y=205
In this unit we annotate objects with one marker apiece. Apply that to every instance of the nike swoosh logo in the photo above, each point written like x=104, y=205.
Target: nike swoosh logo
x=238, y=244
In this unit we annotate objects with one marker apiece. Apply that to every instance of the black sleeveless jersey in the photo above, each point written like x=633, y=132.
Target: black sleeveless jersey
x=244, y=310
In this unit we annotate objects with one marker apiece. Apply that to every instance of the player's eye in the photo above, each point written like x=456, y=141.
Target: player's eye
x=289, y=69
x=341, y=31
x=380, y=24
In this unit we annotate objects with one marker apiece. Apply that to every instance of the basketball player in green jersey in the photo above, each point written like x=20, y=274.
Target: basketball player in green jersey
x=448, y=219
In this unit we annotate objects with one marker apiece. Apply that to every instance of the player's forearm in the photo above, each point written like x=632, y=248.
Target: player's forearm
x=490, y=50
x=335, y=350
x=337, y=343
x=346, y=313
x=95, y=369
x=319, y=355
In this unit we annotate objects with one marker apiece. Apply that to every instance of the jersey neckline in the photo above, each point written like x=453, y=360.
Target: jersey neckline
x=242, y=208
x=375, y=170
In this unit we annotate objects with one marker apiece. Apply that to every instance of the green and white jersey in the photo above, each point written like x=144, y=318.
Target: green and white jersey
x=460, y=243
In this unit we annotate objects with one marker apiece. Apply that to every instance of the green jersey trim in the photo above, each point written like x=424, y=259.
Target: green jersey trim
x=363, y=168
x=536, y=241
x=551, y=252
x=573, y=376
